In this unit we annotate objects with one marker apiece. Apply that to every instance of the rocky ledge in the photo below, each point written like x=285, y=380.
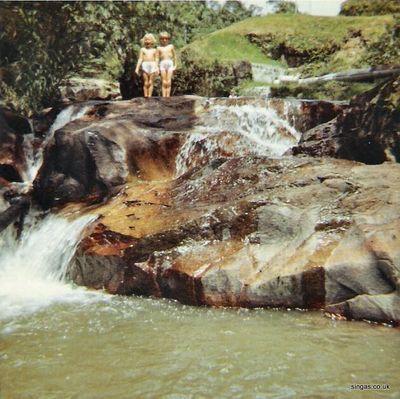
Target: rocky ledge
x=255, y=232
x=197, y=202
x=208, y=218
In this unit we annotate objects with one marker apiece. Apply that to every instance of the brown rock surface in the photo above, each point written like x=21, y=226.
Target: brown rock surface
x=85, y=89
x=305, y=233
x=368, y=131
x=212, y=215
x=12, y=129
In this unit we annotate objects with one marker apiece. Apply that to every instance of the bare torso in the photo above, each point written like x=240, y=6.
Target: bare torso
x=166, y=52
x=149, y=54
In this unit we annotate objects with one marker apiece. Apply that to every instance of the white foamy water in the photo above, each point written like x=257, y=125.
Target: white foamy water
x=34, y=156
x=237, y=130
x=32, y=269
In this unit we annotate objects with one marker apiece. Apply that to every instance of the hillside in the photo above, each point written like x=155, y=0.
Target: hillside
x=296, y=40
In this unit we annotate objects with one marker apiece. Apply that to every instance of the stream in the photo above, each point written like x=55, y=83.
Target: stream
x=58, y=340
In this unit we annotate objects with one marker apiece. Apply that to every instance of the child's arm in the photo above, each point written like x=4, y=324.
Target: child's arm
x=140, y=60
x=158, y=60
x=174, y=56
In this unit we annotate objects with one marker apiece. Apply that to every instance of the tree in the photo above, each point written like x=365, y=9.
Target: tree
x=44, y=43
x=370, y=7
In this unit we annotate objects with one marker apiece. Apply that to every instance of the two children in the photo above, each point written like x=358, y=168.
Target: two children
x=153, y=61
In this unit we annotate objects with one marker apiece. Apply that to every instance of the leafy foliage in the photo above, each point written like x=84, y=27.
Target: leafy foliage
x=332, y=90
x=204, y=78
x=370, y=7
x=50, y=41
x=286, y=7
x=44, y=43
x=387, y=49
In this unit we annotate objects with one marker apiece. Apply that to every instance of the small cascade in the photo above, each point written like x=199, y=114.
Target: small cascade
x=34, y=155
x=32, y=269
x=267, y=73
x=237, y=130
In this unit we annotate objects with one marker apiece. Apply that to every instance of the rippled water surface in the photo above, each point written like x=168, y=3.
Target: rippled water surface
x=145, y=348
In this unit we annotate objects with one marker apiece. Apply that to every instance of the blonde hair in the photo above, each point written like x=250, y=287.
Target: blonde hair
x=164, y=34
x=148, y=36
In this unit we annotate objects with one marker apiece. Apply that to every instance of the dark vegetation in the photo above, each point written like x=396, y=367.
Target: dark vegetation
x=44, y=43
x=370, y=7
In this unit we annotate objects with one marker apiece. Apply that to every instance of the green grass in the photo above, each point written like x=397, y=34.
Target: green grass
x=301, y=32
x=319, y=91
x=229, y=46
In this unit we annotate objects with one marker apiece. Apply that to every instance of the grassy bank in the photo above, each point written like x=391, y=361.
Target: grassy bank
x=344, y=38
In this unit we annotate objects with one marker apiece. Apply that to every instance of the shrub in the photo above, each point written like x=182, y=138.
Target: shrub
x=286, y=7
x=332, y=90
x=370, y=7
x=387, y=49
x=204, y=78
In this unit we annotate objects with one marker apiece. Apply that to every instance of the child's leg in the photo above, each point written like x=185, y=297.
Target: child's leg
x=170, y=72
x=164, y=83
x=146, y=84
x=151, y=84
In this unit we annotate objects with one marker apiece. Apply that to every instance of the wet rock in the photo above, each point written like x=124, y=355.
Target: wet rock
x=85, y=89
x=89, y=158
x=85, y=166
x=305, y=233
x=209, y=216
x=16, y=122
x=12, y=130
x=242, y=70
x=368, y=131
x=376, y=308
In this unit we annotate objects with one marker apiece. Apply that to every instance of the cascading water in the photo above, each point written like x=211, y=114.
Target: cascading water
x=33, y=267
x=33, y=156
x=141, y=347
x=237, y=130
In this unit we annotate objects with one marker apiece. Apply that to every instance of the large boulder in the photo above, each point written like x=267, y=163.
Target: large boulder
x=88, y=159
x=300, y=233
x=85, y=89
x=368, y=131
x=84, y=166
x=205, y=218
x=13, y=127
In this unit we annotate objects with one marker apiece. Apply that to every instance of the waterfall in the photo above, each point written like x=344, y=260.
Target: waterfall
x=237, y=130
x=33, y=156
x=32, y=269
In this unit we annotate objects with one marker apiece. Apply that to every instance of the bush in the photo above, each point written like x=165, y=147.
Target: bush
x=387, y=49
x=286, y=7
x=209, y=79
x=332, y=90
x=370, y=7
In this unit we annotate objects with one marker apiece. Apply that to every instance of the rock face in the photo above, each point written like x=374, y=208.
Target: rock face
x=89, y=158
x=305, y=233
x=84, y=166
x=79, y=89
x=242, y=71
x=368, y=131
x=12, y=129
x=212, y=215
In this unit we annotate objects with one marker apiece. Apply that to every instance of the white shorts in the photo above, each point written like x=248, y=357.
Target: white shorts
x=149, y=67
x=166, y=65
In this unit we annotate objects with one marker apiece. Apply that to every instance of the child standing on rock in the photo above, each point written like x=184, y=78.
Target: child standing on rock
x=167, y=57
x=148, y=62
